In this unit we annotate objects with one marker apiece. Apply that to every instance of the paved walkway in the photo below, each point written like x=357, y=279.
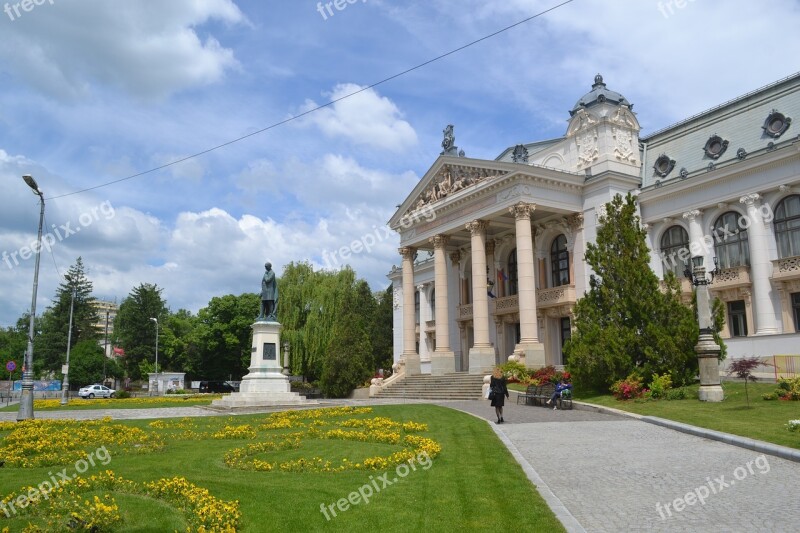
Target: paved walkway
x=610, y=473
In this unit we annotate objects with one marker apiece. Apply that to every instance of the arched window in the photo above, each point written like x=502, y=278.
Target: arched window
x=559, y=261
x=513, y=286
x=730, y=241
x=673, y=241
x=787, y=226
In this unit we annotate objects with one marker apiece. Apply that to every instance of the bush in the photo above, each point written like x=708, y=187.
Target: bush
x=628, y=388
x=515, y=372
x=178, y=391
x=122, y=394
x=660, y=385
x=676, y=394
x=788, y=388
x=793, y=425
x=769, y=396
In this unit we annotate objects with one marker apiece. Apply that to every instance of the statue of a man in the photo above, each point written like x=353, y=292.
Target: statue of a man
x=269, y=294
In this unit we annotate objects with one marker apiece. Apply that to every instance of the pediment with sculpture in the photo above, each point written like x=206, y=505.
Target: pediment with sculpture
x=451, y=179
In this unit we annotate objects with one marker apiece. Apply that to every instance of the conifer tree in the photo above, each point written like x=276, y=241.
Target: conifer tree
x=627, y=322
x=134, y=329
x=51, y=344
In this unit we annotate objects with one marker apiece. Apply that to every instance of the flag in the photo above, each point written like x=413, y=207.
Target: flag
x=502, y=275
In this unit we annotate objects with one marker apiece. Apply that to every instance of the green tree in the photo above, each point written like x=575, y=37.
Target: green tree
x=50, y=346
x=87, y=364
x=626, y=322
x=381, y=332
x=297, y=284
x=224, y=335
x=348, y=351
x=179, y=344
x=134, y=329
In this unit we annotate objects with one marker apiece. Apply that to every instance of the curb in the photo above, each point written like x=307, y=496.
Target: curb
x=784, y=452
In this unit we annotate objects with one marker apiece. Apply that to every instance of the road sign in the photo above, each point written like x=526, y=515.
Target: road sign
x=11, y=366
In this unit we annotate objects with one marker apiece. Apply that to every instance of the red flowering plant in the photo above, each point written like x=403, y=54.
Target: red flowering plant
x=628, y=388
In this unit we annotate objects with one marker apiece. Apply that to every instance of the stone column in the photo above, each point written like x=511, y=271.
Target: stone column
x=706, y=348
x=481, y=355
x=760, y=268
x=442, y=359
x=698, y=244
x=424, y=354
x=529, y=351
x=410, y=355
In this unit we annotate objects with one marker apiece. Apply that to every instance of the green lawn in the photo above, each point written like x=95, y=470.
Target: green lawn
x=763, y=420
x=473, y=484
x=142, y=402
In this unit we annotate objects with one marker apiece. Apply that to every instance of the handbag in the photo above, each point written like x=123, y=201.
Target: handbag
x=489, y=393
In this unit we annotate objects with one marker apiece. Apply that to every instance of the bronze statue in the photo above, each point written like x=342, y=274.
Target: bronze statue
x=269, y=295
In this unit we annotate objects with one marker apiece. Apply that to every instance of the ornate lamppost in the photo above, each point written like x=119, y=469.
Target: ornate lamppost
x=707, y=349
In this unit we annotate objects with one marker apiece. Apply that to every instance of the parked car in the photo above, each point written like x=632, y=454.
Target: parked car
x=99, y=391
x=216, y=386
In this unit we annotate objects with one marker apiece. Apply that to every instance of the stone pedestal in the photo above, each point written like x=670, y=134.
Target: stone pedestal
x=443, y=363
x=481, y=360
x=265, y=384
x=708, y=362
x=530, y=354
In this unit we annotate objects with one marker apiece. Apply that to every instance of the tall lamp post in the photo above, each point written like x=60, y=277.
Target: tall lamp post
x=707, y=349
x=65, y=385
x=26, y=397
x=156, y=321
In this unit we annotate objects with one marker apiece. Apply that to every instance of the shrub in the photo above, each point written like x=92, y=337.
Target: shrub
x=793, y=425
x=788, y=388
x=122, y=394
x=660, y=385
x=628, y=388
x=769, y=396
x=676, y=394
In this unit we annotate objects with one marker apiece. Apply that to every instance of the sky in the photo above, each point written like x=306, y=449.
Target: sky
x=95, y=91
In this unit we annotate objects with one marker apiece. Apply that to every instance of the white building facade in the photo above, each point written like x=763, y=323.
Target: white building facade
x=493, y=251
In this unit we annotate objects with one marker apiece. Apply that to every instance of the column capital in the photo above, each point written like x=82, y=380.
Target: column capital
x=421, y=287
x=750, y=199
x=439, y=241
x=575, y=222
x=455, y=257
x=407, y=252
x=522, y=211
x=691, y=215
x=477, y=227
x=490, y=246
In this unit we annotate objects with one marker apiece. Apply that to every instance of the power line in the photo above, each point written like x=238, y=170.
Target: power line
x=322, y=106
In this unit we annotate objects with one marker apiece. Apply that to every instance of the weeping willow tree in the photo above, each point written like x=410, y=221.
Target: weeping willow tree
x=317, y=307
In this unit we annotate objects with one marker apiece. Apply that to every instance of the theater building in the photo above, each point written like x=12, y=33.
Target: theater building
x=496, y=264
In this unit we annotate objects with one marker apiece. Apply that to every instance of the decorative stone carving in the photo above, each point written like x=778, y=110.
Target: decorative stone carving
x=729, y=274
x=449, y=141
x=516, y=190
x=407, y=252
x=623, y=148
x=476, y=226
x=623, y=117
x=715, y=147
x=776, y=124
x=439, y=241
x=741, y=153
x=522, y=211
x=575, y=222
x=455, y=257
x=691, y=215
x=580, y=121
x=490, y=247
x=750, y=199
x=397, y=297
x=520, y=154
x=684, y=173
x=451, y=179
x=790, y=264
x=588, y=152
x=663, y=165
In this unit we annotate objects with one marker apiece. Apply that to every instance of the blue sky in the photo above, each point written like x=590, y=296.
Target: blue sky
x=93, y=91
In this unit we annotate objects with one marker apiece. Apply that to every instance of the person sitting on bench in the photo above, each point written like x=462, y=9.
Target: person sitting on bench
x=560, y=387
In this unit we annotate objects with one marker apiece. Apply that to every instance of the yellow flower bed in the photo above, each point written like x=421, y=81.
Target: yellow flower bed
x=379, y=430
x=67, y=509
x=121, y=402
x=41, y=442
x=244, y=431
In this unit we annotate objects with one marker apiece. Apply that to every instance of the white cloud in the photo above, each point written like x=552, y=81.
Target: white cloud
x=149, y=49
x=366, y=119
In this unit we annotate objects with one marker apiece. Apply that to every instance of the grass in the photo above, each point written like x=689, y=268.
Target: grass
x=154, y=402
x=473, y=484
x=762, y=420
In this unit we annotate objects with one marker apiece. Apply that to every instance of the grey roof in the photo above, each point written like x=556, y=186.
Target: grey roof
x=599, y=94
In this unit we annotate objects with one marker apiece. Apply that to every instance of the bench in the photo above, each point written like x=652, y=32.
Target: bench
x=540, y=394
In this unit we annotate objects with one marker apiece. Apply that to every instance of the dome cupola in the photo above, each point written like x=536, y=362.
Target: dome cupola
x=598, y=95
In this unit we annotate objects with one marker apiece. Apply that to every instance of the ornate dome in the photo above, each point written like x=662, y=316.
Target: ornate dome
x=598, y=95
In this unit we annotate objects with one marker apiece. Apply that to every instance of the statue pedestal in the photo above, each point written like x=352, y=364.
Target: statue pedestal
x=265, y=384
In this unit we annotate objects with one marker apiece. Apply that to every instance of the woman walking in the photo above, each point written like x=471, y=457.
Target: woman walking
x=498, y=393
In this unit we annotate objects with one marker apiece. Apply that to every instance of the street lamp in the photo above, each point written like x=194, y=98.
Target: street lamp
x=65, y=385
x=26, y=396
x=156, y=321
x=707, y=349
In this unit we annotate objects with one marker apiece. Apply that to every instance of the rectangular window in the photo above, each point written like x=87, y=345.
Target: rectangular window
x=796, y=310
x=737, y=318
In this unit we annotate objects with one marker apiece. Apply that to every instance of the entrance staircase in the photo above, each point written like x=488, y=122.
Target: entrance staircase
x=458, y=386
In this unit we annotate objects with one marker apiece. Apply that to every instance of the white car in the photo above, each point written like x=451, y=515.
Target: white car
x=99, y=391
